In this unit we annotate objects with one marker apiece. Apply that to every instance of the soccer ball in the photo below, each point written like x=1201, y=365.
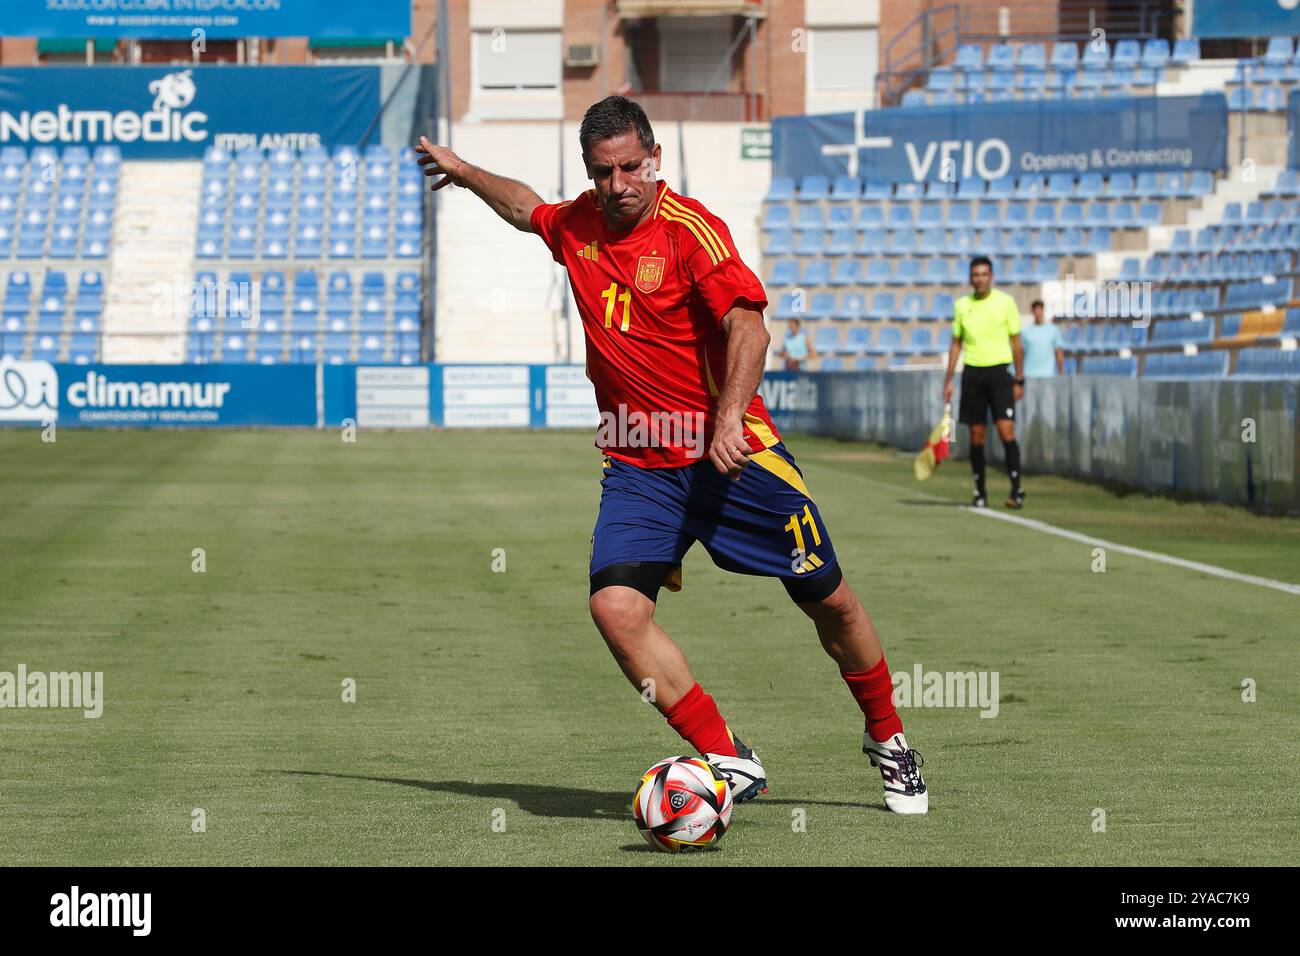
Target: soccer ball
x=682, y=803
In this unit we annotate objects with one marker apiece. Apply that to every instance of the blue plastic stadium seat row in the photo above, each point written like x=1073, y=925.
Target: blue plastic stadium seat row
x=1109, y=366
x=234, y=307
x=1268, y=363
x=939, y=270
x=1154, y=53
x=879, y=306
x=1179, y=302
x=1170, y=332
x=79, y=348
x=1175, y=365
x=865, y=340
x=265, y=349
x=939, y=243
x=1059, y=185
x=1101, y=337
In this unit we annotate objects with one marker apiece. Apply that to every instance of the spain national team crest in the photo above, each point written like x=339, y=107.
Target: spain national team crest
x=649, y=273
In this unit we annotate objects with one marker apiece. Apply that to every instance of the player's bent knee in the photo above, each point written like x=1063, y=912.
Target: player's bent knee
x=619, y=610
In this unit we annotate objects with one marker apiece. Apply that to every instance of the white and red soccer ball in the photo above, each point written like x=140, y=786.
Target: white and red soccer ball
x=682, y=803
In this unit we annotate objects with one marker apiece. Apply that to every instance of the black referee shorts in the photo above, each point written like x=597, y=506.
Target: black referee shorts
x=986, y=388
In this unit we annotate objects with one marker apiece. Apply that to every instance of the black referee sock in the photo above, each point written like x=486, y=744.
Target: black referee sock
x=977, y=466
x=1012, y=450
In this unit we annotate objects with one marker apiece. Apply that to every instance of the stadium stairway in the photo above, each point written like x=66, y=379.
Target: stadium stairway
x=153, y=260
x=1205, y=76
x=1210, y=212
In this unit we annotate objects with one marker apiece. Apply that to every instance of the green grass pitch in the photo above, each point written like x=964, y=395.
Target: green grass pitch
x=488, y=698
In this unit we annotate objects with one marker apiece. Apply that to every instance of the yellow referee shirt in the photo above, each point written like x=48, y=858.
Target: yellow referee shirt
x=985, y=327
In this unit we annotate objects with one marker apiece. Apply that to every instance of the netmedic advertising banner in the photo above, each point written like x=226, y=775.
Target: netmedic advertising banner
x=153, y=396
x=1245, y=18
x=991, y=140
x=176, y=19
x=166, y=113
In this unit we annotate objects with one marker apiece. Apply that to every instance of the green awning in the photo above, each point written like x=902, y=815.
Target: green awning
x=349, y=42
x=73, y=45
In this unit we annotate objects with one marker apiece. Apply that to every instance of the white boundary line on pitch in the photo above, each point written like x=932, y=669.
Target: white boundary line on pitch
x=1138, y=552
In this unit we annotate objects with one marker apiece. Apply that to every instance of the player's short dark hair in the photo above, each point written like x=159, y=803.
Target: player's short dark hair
x=1036, y=304
x=613, y=116
x=981, y=261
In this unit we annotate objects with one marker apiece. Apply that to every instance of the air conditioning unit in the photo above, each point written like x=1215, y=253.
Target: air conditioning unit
x=580, y=54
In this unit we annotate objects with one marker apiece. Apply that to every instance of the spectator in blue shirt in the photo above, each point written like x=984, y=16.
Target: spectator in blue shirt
x=794, y=348
x=1044, y=357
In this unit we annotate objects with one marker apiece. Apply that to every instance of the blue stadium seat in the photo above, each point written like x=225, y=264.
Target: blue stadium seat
x=816, y=272
x=852, y=306
x=844, y=272
x=902, y=242
x=907, y=273
x=1280, y=50
x=875, y=190
x=858, y=340
x=813, y=188
x=781, y=190
x=777, y=217
x=826, y=340
x=784, y=272
x=919, y=342
x=940, y=80
x=1241, y=98
x=779, y=243
x=970, y=56
x=1186, y=50
x=888, y=342
x=883, y=306
x=1002, y=56
x=1155, y=54
x=808, y=242
x=846, y=189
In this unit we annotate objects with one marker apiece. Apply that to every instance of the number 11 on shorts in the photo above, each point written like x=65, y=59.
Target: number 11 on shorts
x=807, y=519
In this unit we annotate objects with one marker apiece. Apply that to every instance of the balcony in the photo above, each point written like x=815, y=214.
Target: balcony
x=629, y=9
x=702, y=107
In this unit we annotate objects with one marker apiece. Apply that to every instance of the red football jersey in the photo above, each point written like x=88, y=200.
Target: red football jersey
x=652, y=300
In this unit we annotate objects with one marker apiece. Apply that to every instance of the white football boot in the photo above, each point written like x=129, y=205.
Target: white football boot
x=744, y=772
x=899, y=765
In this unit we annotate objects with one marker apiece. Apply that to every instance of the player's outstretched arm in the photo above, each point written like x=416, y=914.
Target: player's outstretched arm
x=510, y=199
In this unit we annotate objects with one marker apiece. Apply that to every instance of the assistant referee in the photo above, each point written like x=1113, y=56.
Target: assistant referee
x=986, y=328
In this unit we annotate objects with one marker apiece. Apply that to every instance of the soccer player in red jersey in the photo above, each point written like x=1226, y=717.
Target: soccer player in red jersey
x=676, y=347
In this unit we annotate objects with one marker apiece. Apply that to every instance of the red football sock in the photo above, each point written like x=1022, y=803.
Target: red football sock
x=874, y=692
x=696, y=718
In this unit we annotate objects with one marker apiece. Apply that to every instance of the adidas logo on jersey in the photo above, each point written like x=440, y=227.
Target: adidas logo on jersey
x=589, y=251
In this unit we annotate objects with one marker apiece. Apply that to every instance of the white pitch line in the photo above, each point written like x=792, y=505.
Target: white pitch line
x=1138, y=552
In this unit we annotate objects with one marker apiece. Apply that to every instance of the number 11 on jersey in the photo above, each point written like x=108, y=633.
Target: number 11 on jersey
x=611, y=295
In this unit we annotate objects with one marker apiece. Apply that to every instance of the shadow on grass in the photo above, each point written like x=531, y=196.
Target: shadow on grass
x=547, y=801
x=929, y=502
